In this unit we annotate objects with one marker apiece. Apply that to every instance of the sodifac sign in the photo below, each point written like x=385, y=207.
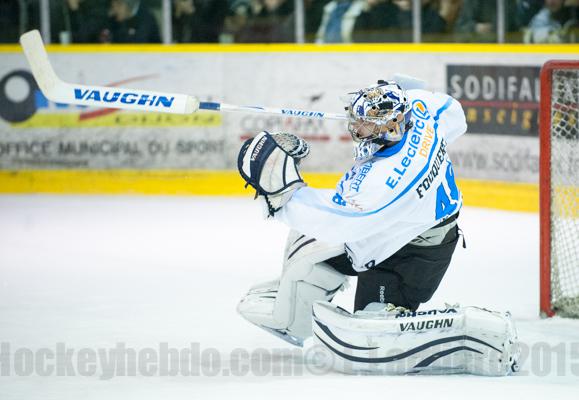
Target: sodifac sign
x=497, y=99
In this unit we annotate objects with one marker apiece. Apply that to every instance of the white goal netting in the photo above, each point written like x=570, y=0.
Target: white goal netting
x=565, y=192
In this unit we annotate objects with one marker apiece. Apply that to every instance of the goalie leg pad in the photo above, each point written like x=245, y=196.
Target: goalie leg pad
x=284, y=306
x=449, y=341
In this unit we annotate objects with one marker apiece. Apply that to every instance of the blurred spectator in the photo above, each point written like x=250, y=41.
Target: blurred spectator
x=375, y=22
x=526, y=10
x=131, y=22
x=270, y=21
x=449, y=10
x=313, y=12
x=391, y=21
x=83, y=21
x=238, y=14
x=10, y=16
x=554, y=23
x=432, y=21
x=199, y=21
x=338, y=21
x=477, y=20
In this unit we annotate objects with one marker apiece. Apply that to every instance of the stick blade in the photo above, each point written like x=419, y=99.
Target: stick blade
x=59, y=91
x=37, y=57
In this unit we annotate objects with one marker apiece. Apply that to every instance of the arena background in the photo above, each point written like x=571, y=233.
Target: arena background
x=52, y=148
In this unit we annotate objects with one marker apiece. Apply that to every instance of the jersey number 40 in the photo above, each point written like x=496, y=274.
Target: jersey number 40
x=447, y=198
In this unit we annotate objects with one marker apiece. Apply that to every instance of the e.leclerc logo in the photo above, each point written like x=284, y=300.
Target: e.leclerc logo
x=419, y=109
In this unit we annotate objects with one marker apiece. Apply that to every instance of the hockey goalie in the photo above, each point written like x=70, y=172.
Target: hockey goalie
x=392, y=221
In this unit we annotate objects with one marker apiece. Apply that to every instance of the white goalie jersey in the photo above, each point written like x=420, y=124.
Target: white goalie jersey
x=382, y=204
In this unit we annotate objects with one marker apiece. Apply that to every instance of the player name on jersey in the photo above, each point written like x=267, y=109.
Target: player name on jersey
x=433, y=173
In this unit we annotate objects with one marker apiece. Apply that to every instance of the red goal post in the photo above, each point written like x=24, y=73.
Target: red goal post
x=559, y=189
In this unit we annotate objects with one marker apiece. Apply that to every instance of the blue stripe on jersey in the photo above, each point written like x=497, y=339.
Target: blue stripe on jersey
x=443, y=108
x=387, y=152
x=354, y=214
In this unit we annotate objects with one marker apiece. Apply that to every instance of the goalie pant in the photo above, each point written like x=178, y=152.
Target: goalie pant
x=381, y=205
x=410, y=276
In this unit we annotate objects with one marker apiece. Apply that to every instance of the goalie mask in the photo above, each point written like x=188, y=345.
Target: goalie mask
x=377, y=115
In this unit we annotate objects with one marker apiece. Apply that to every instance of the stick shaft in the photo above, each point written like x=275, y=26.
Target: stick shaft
x=288, y=112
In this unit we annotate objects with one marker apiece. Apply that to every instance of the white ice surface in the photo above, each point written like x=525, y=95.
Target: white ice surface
x=91, y=272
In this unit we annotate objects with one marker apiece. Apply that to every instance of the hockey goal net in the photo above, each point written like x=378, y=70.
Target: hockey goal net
x=559, y=188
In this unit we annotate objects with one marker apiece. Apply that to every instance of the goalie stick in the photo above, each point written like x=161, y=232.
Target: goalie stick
x=59, y=91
